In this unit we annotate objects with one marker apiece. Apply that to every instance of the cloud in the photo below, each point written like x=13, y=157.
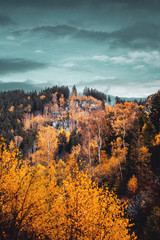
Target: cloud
x=99, y=82
x=101, y=58
x=121, y=87
x=26, y=86
x=10, y=38
x=62, y=31
x=96, y=36
x=5, y=21
x=138, y=36
x=74, y=67
x=139, y=67
x=72, y=32
x=153, y=5
x=59, y=30
x=139, y=58
x=41, y=4
x=68, y=65
x=95, y=4
x=39, y=51
x=19, y=65
x=151, y=58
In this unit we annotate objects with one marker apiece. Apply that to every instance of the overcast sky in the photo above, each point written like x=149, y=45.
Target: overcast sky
x=110, y=45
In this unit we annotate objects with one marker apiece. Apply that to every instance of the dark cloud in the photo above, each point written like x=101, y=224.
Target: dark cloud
x=143, y=4
x=140, y=35
x=59, y=30
x=75, y=24
x=140, y=5
x=39, y=4
x=5, y=21
x=137, y=36
x=27, y=87
x=92, y=35
x=64, y=31
x=19, y=65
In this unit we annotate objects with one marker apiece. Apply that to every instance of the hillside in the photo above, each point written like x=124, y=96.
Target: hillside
x=62, y=134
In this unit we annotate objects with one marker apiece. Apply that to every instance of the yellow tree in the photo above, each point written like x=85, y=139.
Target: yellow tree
x=118, y=155
x=23, y=197
x=157, y=140
x=81, y=211
x=133, y=184
x=124, y=118
x=33, y=206
x=46, y=145
x=143, y=161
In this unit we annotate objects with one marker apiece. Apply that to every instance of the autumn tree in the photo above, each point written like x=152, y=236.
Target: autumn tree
x=133, y=184
x=124, y=118
x=22, y=197
x=88, y=212
x=46, y=145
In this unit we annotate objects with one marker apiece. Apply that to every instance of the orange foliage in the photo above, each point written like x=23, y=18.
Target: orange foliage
x=34, y=206
x=157, y=140
x=133, y=184
x=42, y=97
x=46, y=145
x=11, y=109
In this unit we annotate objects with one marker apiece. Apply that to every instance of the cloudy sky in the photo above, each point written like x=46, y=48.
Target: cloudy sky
x=110, y=45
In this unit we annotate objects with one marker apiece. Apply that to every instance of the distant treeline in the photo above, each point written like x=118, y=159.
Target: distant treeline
x=94, y=93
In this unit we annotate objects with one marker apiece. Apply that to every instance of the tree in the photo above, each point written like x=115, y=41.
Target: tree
x=46, y=145
x=23, y=197
x=118, y=155
x=133, y=184
x=62, y=142
x=94, y=93
x=88, y=212
x=33, y=206
x=74, y=91
x=124, y=118
x=155, y=111
x=109, y=100
x=153, y=223
x=117, y=100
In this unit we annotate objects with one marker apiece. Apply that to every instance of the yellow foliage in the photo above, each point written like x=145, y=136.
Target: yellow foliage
x=11, y=145
x=133, y=184
x=42, y=97
x=34, y=206
x=124, y=116
x=76, y=150
x=157, y=140
x=46, y=144
x=22, y=196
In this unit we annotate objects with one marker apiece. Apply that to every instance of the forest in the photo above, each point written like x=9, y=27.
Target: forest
x=75, y=167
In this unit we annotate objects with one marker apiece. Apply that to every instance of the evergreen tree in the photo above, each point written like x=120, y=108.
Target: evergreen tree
x=74, y=90
x=109, y=100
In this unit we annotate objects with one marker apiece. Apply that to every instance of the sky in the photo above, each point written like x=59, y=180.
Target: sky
x=110, y=45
